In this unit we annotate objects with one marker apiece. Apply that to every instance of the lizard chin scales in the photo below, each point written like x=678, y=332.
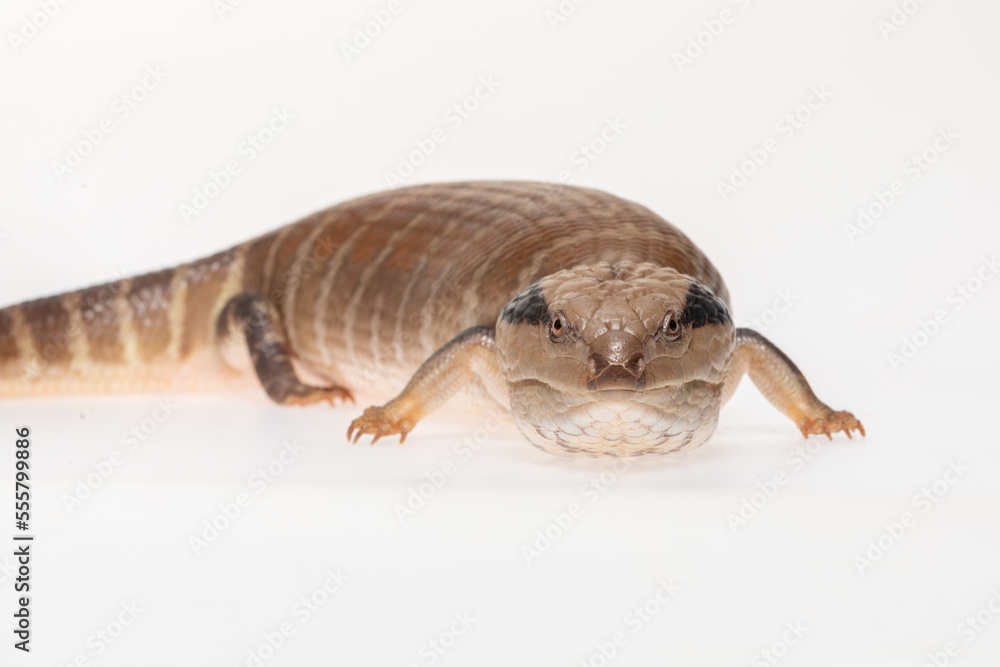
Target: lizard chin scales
x=660, y=421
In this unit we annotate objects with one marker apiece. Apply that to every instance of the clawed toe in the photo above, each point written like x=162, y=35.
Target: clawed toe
x=376, y=422
x=332, y=395
x=830, y=424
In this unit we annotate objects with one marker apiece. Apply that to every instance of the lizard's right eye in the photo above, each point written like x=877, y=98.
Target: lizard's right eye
x=558, y=327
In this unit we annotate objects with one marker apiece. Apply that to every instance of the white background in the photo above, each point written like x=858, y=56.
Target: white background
x=686, y=127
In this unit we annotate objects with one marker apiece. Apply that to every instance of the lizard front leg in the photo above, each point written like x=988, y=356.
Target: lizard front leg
x=251, y=317
x=783, y=384
x=470, y=355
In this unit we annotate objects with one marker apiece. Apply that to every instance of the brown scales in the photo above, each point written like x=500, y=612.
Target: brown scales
x=356, y=297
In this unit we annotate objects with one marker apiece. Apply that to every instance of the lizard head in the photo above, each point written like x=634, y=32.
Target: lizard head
x=621, y=359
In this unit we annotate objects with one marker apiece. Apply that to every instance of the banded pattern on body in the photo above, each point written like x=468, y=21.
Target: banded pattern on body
x=415, y=267
x=365, y=291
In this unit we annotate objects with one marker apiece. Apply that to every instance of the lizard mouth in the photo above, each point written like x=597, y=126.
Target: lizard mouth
x=614, y=378
x=619, y=394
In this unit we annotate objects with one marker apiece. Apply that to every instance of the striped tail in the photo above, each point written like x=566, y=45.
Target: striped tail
x=154, y=332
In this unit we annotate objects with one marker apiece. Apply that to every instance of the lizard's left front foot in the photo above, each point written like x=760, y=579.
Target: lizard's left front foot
x=378, y=421
x=831, y=423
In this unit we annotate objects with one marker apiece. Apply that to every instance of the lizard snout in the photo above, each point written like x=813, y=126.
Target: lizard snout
x=616, y=363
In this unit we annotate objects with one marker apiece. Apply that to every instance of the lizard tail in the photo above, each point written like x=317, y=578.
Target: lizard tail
x=153, y=332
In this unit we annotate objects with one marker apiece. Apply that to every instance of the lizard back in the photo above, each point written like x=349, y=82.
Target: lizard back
x=367, y=290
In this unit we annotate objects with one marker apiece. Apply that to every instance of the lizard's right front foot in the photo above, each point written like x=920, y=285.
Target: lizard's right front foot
x=377, y=421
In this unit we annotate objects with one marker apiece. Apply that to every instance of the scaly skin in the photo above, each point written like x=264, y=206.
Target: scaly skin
x=412, y=285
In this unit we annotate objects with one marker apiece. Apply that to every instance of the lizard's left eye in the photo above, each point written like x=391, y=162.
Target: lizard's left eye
x=671, y=326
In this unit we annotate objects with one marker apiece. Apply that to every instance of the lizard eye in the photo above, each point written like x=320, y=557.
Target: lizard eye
x=671, y=327
x=559, y=325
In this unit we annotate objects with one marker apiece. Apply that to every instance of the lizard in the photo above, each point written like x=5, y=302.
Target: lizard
x=599, y=326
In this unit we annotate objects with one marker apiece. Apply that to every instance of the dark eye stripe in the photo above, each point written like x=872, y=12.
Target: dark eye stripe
x=702, y=307
x=528, y=307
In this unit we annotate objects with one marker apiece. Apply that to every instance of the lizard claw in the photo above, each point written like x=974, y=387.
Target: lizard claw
x=831, y=423
x=329, y=394
x=377, y=423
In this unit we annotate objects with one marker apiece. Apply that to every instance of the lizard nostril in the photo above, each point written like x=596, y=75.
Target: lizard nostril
x=597, y=364
x=636, y=365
